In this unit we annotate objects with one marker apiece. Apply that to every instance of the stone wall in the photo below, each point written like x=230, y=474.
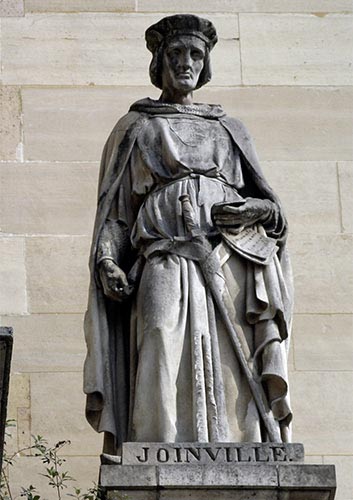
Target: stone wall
x=69, y=69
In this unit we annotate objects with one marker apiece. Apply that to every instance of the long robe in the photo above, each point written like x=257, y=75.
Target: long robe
x=162, y=368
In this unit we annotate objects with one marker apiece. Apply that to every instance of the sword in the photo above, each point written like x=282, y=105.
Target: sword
x=209, y=266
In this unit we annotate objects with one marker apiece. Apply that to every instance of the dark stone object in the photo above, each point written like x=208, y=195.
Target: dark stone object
x=6, y=340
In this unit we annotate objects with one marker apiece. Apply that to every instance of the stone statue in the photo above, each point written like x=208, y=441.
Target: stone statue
x=190, y=300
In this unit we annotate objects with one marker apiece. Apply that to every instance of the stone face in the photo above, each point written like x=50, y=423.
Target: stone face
x=13, y=298
x=323, y=342
x=345, y=176
x=309, y=193
x=323, y=405
x=80, y=5
x=318, y=127
x=11, y=8
x=64, y=416
x=57, y=276
x=93, y=49
x=296, y=49
x=10, y=133
x=323, y=274
x=47, y=342
x=245, y=6
x=289, y=123
x=55, y=198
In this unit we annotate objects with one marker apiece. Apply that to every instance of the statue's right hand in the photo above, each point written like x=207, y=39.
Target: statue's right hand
x=114, y=281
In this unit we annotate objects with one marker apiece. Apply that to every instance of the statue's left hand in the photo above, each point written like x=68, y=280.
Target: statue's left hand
x=236, y=217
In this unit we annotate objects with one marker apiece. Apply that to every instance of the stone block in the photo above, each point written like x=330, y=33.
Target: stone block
x=13, y=298
x=245, y=6
x=318, y=127
x=292, y=123
x=48, y=198
x=18, y=409
x=309, y=193
x=344, y=471
x=296, y=49
x=63, y=418
x=244, y=494
x=127, y=477
x=11, y=8
x=47, y=342
x=28, y=470
x=57, y=274
x=261, y=475
x=175, y=454
x=323, y=342
x=236, y=482
x=345, y=176
x=19, y=393
x=80, y=6
x=322, y=405
x=323, y=273
x=10, y=125
x=92, y=49
x=51, y=117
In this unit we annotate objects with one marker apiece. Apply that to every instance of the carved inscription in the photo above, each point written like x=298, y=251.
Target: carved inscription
x=208, y=453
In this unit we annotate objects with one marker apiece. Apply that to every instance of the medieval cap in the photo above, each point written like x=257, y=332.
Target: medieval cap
x=180, y=24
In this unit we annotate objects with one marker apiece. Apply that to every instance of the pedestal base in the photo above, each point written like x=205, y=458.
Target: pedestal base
x=287, y=479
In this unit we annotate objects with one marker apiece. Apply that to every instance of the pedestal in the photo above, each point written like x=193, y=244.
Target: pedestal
x=217, y=471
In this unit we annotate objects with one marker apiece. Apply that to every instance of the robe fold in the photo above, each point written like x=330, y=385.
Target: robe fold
x=161, y=367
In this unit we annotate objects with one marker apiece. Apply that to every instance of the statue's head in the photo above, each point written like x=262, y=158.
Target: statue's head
x=180, y=46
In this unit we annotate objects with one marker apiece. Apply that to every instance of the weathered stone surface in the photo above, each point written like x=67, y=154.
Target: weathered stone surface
x=208, y=454
x=224, y=476
x=332, y=336
x=55, y=198
x=345, y=176
x=10, y=133
x=296, y=49
x=309, y=194
x=47, y=342
x=344, y=471
x=127, y=477
x=323, y=273
x=19, y=394
x=309, y=476
x=28, y=470
x=19, y=403
x=94, y=49
x=240, y=482
x=291, y=123
x=51, y=117
x=311, y=6
x=63, y=417
x=80, y=5
x=11, y=8
x=318, y=127
x=323, y=405
x=57, y=274
x=12, y=276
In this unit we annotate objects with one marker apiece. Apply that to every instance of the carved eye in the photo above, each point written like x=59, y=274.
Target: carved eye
x=197, y=54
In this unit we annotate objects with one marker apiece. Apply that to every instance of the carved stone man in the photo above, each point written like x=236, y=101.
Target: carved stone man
x=190, y=300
